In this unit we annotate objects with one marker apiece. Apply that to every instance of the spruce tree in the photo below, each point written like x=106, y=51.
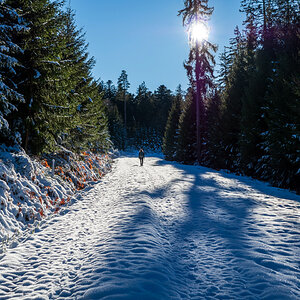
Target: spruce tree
x=231, y=97
x=144, y=106
x=115, y=117
x=186, y=146
x=123, y=86
x=257, y=68
x=199, y=66
x=56, y=81
x=280, y=164
x=86, y=122
x=162, y=102
x=225, y=66
x=213, y=155
x=38, y=78
x=11, y=23
x=170, y=141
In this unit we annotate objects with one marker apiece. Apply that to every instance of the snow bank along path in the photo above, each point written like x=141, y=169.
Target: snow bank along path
x=163, y=231
x=29, y=192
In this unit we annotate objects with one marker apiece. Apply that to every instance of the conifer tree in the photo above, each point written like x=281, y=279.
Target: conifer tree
x=162, y=102
x=11, y=24
x=186, y=146
x=231, y=97
x=199, y=66
x=86, y=121
x=56, y=81
x=225, y=66
x=214, y=156
x=280, y=164
x=123, y=86
x=144, y=106
x=170, y=141
x=115, y=121
x=38, y=78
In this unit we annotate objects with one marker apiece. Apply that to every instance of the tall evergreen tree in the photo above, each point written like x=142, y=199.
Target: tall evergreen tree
x=170, y=141
x=162, y=102
x=186, y=146
x=123, y=86
x=144, y=106
x=11, y=24
x=280, y=163
x=231, y=97
x=199, y=65
x=213, y=155
x=56, y=81
x=225, y=66
x=39, y=75
x=115, y=121
x=86, y=122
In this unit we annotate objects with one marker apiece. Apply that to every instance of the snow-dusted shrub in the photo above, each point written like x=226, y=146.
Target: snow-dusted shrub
x=29, y=191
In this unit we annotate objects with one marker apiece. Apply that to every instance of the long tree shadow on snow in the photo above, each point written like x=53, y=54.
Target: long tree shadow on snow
x=210, y=246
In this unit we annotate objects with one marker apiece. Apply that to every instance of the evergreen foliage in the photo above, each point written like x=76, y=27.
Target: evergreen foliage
x=250, y=123
x=146, y=113
x=260, y=95
x=11, y=23
x=170, y=140
x=62, y=103
x=247, y=120
x=214, y=156
x=162, y=102
x=199, y=67
x=186, y=147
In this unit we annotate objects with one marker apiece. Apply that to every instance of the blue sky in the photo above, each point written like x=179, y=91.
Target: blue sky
x=146, y=38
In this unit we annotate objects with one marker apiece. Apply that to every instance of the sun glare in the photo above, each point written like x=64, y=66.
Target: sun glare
x=198, y=32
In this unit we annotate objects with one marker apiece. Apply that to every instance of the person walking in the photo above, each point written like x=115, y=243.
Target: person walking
x=141, y=156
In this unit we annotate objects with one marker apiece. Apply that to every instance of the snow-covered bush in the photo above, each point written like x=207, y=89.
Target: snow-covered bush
x=31, y=190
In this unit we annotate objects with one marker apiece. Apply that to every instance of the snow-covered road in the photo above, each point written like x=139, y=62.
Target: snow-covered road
x=163, y=231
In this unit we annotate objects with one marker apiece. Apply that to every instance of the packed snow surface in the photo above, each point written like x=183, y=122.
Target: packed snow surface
x=162, y=231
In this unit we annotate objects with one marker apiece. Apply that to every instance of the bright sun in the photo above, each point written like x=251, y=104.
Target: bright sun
x=198, y=32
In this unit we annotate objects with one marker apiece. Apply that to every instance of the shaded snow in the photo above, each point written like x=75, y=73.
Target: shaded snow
x=163, y=231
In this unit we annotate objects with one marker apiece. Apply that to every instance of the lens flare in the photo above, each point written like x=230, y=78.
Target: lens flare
x=198, y=32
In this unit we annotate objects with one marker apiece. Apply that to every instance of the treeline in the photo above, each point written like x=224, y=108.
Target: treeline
x=250, y=115
x=48, y=97
x=136, y=120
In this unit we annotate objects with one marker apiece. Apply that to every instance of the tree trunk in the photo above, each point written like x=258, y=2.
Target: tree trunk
x=198, y=99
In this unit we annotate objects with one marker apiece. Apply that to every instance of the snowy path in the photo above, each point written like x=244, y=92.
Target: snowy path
x=163, y=231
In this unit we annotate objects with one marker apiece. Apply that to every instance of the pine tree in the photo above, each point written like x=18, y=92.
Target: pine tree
x=225, y=66
x=213, y=156
x=11, y=24
x=123, y=86
x=91, y=131
x=38, y=79
x=258, y=69
x=56, y=82
x=115, y=123
x=199, y=65
x=170, y=140
x=162, y=102
x=186, y=151
x=231, y=97
x=86, y=122
x=144, y=106
x=280, y=164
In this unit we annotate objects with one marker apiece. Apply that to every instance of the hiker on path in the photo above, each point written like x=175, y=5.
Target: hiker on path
x=141, y=156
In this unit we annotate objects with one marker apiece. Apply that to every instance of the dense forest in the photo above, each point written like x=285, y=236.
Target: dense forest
x=249, y=113
x=243, y=116
x=48, y=95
